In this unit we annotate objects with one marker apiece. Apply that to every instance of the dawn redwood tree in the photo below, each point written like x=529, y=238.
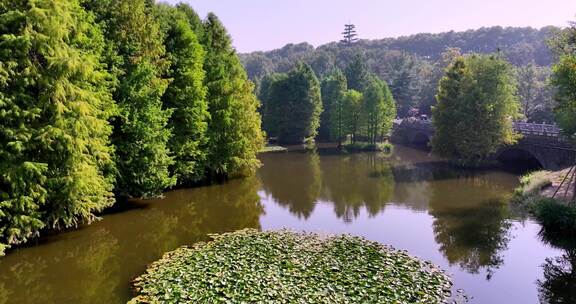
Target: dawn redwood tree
x=266, y=106
x=353, y=113
x=295, y=105
x=194, y=20
x=378, y=110
x=477, y=103
x=234, y=132
x=141, y=134
x=55, y=155
x=332, y=90
x=185, y=95
x=357, y=73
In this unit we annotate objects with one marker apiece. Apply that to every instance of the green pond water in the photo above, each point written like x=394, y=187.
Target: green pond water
x=459, y=219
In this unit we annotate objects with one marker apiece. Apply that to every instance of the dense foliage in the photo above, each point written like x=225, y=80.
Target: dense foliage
x=295, y=105
x=285, y=267
x=378, y=110
x=292, y=105
x=113, y=97
x=413, y=65
x=55, y=154
x=140, y=130
x=333, y=88
x=564, y=78
x=186, y=95
x=476, y=104
x=234, y=130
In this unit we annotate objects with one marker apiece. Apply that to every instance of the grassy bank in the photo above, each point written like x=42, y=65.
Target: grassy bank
x=368, y=147
x=286, y=267
x=544, y=196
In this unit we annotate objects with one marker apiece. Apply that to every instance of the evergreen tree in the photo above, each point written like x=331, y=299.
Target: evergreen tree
x=338, y=127
x=55, y=155
x=378, y=110
x=357, y=73
x=193, y=19
x=234, y=131
x=476, y=104
x=266, y=105
x=186, y=95
x=295, y=105
x=349, y=35
x=333, y=88
x=353, y=113
x=141, y=134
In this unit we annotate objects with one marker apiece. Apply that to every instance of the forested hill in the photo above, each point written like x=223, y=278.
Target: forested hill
x=521, y=45
x=411, y=65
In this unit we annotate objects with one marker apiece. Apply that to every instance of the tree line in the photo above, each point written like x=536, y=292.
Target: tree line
x=102, y=99
x=413, y=65
x=479, y=97
x=299, y=108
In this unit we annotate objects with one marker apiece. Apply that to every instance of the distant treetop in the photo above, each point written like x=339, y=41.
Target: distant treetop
x=349, y=36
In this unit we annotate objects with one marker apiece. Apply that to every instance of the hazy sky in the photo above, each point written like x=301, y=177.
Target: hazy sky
x=269, y=24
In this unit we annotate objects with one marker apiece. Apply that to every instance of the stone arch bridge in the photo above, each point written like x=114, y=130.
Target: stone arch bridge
x=541, y=144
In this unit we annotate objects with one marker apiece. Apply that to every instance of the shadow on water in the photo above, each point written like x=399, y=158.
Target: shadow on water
x=96, y=264
x=558, y=284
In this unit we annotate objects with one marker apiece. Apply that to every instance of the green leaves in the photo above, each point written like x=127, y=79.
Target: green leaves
x=564, y=78
x=106, y=97
x=55, y=153
x=477, y=103
x=186, y=95
x=293, y=106
x=234, y=132
x=286, y=267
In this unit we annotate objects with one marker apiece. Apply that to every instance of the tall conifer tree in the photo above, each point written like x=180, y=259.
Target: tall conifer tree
x=55, y=155
x=234, y=131
x=140, y=131
x=333, y=89
x=186, y=95
x=295, y=106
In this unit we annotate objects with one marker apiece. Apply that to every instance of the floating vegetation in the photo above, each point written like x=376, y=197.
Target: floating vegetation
x=249, y=266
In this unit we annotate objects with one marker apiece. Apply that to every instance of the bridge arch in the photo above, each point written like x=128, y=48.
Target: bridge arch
x=420, y=139
x=520, y=157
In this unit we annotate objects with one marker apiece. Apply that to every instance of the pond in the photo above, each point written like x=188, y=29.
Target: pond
x=459, y=219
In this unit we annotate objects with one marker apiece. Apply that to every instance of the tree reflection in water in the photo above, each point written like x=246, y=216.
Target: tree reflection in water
x=559, y=280
x=96, y=264
x=293, y=182
x=348, y=181
x=472, y=218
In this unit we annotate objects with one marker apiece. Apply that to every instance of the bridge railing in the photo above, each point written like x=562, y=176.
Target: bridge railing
x=535, y=131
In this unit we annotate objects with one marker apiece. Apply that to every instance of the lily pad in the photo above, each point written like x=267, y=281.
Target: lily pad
x=249, y=266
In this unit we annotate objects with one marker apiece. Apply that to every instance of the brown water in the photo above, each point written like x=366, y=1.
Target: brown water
x=459, y=219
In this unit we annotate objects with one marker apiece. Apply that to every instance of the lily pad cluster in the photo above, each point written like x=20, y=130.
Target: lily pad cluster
x=249, y=266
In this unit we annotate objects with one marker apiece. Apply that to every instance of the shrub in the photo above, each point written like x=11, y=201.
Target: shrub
x=555, y=216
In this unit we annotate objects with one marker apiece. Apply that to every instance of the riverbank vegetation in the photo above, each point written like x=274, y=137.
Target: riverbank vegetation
x=298, y=108
x=286, y=267
x=105, y=99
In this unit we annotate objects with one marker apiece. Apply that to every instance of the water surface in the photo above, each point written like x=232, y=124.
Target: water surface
x=459, y=219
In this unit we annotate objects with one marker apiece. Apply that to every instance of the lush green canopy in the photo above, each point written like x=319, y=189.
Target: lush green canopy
x=104, y=97
x=477, y=103
x=55, y=155
x=293, y=106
